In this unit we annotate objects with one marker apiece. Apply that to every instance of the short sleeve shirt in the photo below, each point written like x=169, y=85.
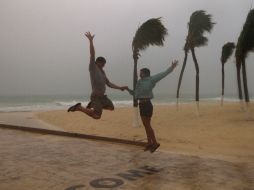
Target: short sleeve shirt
x=98, y=78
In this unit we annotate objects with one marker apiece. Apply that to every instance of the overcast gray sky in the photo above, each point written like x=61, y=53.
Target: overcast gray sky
x=43, y=49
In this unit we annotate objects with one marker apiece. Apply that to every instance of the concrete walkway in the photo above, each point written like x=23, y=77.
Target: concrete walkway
x=28, y=119
x=30, y=161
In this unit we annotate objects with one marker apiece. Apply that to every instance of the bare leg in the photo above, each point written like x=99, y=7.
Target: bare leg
x=149, y=131
x=88, y=111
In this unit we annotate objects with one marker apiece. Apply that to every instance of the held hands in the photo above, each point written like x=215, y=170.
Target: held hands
x=89, y=36
x=124, y=88
x=127, y=89
x=174, y=64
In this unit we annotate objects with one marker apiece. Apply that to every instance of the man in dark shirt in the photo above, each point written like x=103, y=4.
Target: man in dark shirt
x=99, y=80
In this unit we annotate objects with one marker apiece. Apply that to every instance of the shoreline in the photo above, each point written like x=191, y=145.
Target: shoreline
x=47, y=103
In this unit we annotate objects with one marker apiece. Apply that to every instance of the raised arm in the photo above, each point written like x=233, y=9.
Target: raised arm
x=92, y=50
x=90, y=38
x=156, y=78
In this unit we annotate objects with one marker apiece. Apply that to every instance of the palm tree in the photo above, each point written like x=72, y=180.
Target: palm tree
x=186, y=51
x=244, y=45
x=227, y=51
x=199, y=23
x=151, y=32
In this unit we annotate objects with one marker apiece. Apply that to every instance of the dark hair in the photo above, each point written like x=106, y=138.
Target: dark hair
x=146, y=71
x=100, y=60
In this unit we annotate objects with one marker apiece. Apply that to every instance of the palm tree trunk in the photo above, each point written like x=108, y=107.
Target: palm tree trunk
x=223, y=81
x=197, y=78
x=135, y=102
x=246, y=93
x=245, y=86
x=135, y=79
x=180, y=78
x=240, y=95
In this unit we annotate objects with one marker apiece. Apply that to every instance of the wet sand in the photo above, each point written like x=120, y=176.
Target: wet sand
x=219, y=132
x=42, y=162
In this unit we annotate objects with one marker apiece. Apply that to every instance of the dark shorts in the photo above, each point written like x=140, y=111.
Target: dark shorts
x=100, y=102
x=146, y=109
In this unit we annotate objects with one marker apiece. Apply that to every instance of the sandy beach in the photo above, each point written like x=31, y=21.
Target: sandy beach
x=219, y=132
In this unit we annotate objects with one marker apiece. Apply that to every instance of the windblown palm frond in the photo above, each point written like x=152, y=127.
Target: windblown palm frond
x=199, y=23
x=248, y=34
x=152, y=32
x=245, y=42
x=200, y=41
x=227, y=51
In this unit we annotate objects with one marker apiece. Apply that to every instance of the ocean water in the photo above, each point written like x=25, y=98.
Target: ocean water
x=61, y=102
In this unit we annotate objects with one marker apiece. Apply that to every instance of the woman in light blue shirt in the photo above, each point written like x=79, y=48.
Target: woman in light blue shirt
x=143, y=93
